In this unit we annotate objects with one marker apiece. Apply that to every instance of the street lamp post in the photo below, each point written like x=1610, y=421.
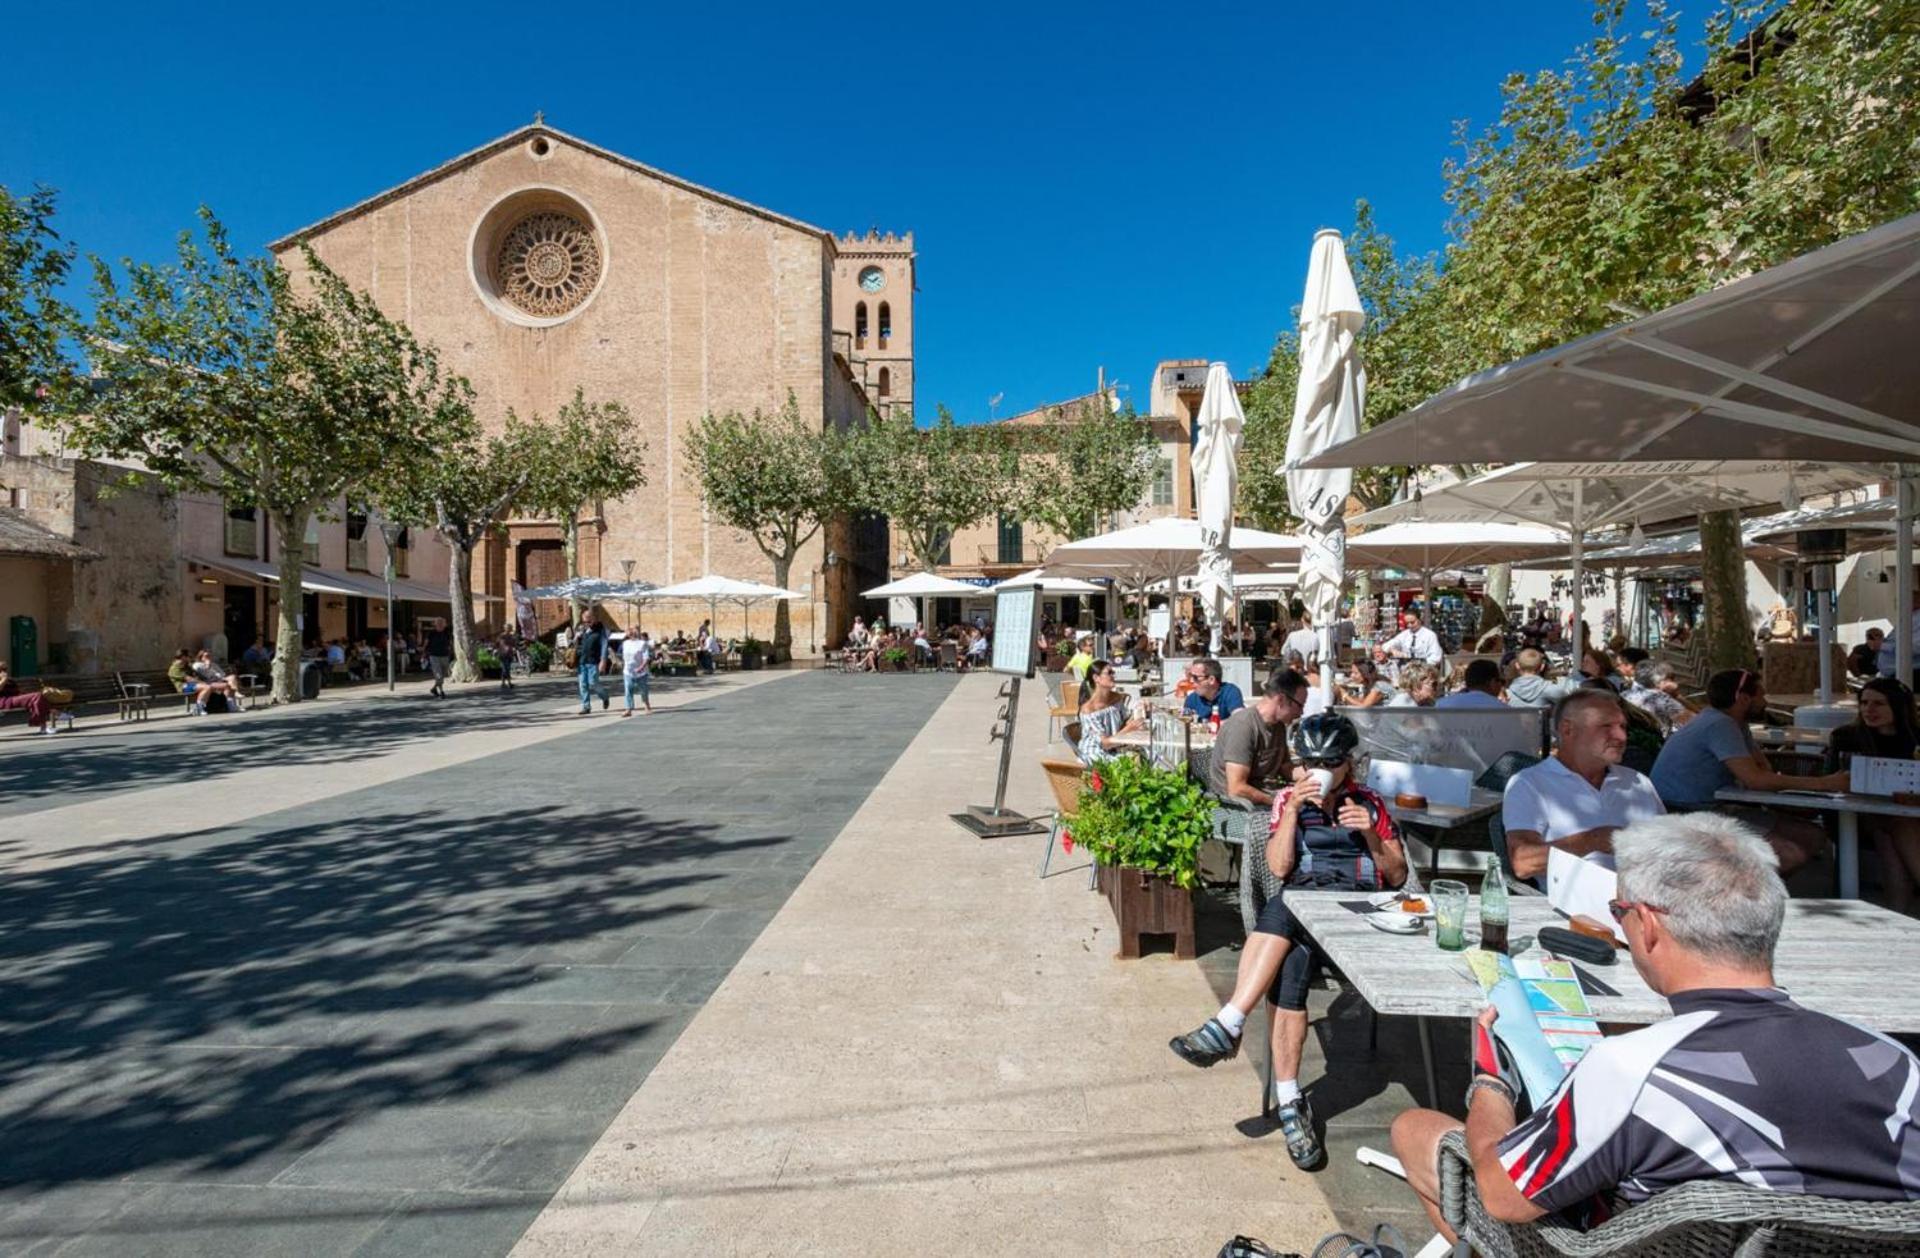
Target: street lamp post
x=633, y=604
x=390, y=533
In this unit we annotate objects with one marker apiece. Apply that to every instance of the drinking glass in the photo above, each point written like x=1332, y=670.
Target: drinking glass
x=1449, y=913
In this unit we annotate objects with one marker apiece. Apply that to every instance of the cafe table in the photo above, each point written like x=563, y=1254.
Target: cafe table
x=1431, y=823
x=1848, y=806
x=1847, y=958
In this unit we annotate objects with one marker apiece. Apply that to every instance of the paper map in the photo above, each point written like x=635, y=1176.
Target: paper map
x=1545, y=1021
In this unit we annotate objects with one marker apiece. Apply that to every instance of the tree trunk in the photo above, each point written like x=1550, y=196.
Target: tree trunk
x=572, y=548
x=460, y=598
x=1723, y=581
x=291, y=529
x=1493, y=601
x=782, y=617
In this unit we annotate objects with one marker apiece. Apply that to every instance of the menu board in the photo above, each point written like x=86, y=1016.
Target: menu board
x=1015, y=611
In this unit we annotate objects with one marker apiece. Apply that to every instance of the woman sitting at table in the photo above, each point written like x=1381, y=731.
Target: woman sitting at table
x=1419, y=687
x=1364, y=687
x=1597, y=665
x=1885, y=727
x=1103, y=716
x=1328, y=833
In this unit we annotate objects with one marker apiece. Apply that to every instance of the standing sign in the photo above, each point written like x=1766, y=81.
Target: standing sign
x=1014, y=613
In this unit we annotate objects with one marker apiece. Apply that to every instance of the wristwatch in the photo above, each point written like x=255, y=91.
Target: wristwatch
x=1489, y=1083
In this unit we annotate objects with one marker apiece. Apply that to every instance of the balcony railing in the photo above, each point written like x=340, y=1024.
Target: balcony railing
x=994, y=556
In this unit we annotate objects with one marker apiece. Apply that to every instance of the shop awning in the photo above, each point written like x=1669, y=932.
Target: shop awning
x=323, y=580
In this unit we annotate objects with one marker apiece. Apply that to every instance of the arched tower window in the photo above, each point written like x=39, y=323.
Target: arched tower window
x=886, y=382
x=886, y=324
x=860, y=326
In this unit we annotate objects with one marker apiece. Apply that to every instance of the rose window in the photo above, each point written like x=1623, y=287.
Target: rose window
x=548, y=264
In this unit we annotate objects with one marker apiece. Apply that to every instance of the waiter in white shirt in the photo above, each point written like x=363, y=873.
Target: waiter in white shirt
x=1889, y=649
x=1415, y=642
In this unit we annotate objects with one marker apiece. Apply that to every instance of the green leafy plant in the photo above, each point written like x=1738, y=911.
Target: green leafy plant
x=485, y=660
x=539, y=657
x=1140, y=817
x=895, y=657
x=753, y=646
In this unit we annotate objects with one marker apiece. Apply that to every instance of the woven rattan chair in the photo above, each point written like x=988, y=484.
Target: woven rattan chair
x=1694, y=1220
x=1065, y=777
x=1067, y=708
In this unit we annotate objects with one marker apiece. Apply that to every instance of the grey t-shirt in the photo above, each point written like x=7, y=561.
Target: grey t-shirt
x=1692, y=764
x=1247, y=739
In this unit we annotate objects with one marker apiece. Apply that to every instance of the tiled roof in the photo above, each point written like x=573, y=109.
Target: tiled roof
x=21, y=536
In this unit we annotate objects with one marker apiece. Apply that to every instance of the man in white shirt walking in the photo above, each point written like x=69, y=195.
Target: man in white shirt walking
x=636, y=668
x=1414, y=642
x=1577, y=798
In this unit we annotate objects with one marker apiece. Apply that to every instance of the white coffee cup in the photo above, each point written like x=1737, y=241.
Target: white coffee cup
x=1324, y=779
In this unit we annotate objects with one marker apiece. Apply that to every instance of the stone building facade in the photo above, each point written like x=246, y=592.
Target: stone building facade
x=539, y=263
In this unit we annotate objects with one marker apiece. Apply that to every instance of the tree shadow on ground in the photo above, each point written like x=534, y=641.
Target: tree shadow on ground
x=231, y=998
x=52, y=772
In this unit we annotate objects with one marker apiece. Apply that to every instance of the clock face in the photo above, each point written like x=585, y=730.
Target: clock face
x=873, y=279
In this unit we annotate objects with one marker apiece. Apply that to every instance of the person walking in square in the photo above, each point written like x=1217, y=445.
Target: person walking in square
x=636, y=659
x=439, y=653
x=590, y=656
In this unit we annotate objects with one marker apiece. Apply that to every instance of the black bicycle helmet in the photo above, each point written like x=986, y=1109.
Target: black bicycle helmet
x=1322, y=736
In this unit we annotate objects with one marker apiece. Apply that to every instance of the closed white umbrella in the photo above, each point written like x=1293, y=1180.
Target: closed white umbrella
x=1216, y=450
x=1328, y=403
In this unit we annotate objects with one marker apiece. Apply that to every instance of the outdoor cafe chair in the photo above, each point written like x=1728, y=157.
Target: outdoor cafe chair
x=1065, y=777
x=1705, y=1217
x=1066, y=709
x=1495, y=778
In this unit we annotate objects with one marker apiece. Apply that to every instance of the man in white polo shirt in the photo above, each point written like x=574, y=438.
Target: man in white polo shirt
x=1576, y=798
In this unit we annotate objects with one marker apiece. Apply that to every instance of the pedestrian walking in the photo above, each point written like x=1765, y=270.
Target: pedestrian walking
x=636, y=656
x=590, y=657
x=702, y=651
x=439, y=654
x=507, y=652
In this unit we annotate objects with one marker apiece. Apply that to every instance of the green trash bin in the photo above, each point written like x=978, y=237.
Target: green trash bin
x=23, y=646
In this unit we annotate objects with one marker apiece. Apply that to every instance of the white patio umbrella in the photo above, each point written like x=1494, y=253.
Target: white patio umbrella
x=922, y=586
x=1328, y=404
x=717, y=589
x=1432, y=545
x=1787, y=363
x=1585, y=498
x=1164, y=549
x=1050, y=584
x=1216, y=450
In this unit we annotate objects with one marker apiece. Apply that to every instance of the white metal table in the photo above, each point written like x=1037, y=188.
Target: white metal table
x=1834, y=955
x=1482, y=803
x=1847, y=805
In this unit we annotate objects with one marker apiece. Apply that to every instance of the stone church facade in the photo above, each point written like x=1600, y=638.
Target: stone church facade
x=539, y=263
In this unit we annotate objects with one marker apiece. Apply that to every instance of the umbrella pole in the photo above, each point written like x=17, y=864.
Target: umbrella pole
x=1579, y=570
x=1903, y=576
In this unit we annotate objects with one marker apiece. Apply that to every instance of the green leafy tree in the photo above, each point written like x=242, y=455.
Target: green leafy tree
x=932, y=482
x=1614, y=183
x=592, y=451
x=464, y=493
x=1073, y=476
x=226, y=375
x=34, y=262
x=778, y=478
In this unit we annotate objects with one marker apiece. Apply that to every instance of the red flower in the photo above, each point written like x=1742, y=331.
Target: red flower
x=1098, y=785
x=1066, y=841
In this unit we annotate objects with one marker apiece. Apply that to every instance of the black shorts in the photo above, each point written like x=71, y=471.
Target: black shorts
x=1302, y=962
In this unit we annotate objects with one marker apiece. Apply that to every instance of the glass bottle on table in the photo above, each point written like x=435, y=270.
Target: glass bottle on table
x=1493, y=907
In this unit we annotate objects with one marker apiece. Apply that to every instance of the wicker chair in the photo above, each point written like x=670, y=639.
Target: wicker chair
x=1694, y=1220
x=1065, y=777
x=1066, y=709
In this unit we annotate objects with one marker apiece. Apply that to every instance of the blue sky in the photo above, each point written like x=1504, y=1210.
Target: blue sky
x=1089, y=185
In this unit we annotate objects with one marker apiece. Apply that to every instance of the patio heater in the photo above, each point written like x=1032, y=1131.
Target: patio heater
x=1820, y=550
x=390, y=531
x=633, y=604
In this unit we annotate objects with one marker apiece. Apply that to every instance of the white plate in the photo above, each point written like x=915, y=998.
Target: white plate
x=1395, y=923
x=1389, y=902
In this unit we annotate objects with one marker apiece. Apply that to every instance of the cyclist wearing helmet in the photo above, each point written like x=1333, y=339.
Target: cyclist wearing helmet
x=1336, y=836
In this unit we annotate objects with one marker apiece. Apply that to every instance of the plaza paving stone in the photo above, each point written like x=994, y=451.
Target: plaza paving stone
x=390, y=1019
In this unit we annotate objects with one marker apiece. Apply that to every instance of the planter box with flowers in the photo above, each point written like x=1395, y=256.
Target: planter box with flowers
x=1144, y=827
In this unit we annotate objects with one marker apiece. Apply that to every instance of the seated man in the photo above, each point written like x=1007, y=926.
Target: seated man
x=1715, y=750
x=1211, y=698
x=215, y=680
x=1480, y=687
x=1250, y=753
x=1529, y=687
x=1864, y=660
x=1329, y=832
x=1741, y=1085
x=1578, y=797
x=257, y=656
